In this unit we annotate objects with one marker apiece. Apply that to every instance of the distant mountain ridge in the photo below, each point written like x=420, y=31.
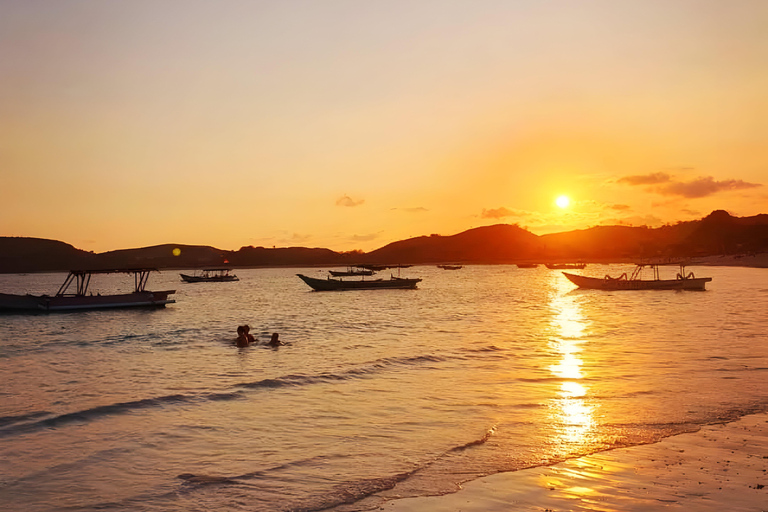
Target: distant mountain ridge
x=716, y=234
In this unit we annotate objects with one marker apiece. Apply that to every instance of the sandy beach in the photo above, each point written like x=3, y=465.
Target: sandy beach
x=721, y=467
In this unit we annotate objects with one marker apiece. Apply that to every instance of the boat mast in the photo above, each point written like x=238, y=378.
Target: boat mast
x=83, y=280
x=140, y=278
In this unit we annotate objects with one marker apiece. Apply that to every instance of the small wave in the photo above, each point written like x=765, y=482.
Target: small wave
x=8, y=425
x=12, y=425
x=96, y=412
x=742, y=369
x=358, y=490
x=489, y=348
x=357, y=372
x=352, y=492
x=9, y=420
x=555, y=380
x=476, y=442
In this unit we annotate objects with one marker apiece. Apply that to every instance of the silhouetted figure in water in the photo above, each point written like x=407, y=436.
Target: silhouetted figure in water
x=242, y=336
x=274, y=342
x=247, y=329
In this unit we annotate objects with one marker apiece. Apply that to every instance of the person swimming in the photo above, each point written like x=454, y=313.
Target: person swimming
x=274, y=341
x=243, y=339
x=247, y=329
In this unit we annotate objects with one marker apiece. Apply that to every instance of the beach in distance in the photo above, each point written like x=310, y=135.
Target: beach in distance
x=489, y=387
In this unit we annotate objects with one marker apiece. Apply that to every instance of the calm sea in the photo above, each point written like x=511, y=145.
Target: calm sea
x=375, y=394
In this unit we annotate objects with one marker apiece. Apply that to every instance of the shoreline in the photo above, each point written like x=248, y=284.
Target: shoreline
x=722, y=466
x=724, y=260
x=727, y=260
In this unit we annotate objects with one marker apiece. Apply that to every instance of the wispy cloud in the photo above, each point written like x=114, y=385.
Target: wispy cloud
x=637, y=220
x=646, y=179
x=664, y=184
x=703, y=187
x=345, y=200
x=416, y=209
x=502, y=212
x=297, y=237
x=365, y=238
x=619, y=207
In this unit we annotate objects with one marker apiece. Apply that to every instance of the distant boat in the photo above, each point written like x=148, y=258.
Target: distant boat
x=379, y=268
x=329, y=284
x=210, y=275
x=527, y=265
x=682, y=281
x=564, y=266
x=450, y=267
x=352, y=271
x=79, y=300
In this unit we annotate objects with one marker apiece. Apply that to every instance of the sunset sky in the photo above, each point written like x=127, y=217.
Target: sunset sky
x=352, y=124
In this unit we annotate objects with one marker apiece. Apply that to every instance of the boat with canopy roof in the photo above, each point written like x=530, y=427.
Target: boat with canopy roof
x=73, y=295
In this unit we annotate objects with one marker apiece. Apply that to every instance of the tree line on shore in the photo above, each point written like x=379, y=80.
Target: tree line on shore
x=716, y=234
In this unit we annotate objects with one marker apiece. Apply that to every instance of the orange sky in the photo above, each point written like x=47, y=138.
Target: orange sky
x=348, y=125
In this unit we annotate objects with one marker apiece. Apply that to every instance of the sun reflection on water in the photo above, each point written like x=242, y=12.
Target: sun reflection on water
x=571, y=413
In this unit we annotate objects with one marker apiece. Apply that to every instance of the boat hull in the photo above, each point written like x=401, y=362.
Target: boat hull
x=44, y=303
x=608, y=283
x=212, y=279
x=346, y=273
x=565, y=266
x=323, y=285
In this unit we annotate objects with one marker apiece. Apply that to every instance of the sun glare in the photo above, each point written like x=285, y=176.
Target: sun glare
x=562, y=201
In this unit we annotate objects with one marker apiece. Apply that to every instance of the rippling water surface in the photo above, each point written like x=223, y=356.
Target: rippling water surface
x=376, y=394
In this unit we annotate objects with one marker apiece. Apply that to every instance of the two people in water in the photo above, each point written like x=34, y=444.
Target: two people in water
x=245, y=338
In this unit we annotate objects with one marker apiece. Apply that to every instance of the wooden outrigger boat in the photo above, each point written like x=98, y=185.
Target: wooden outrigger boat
x=329, y=284
x=210, y=275
x=682, y=281
x=79, y=300
x=565, y=266
x=352, y=271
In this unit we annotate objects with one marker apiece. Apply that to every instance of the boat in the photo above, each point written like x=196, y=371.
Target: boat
x=565, y=266
x=80, y=299
x=450, y=267
x=210, y=275
x=683, y=280
x=527, y=265
x=329, y=284
x=379, y=268
x=352, y=271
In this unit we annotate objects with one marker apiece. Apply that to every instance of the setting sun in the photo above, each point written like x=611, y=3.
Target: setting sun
x=562, y=201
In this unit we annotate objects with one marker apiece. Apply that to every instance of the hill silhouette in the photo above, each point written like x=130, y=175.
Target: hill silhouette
x=719, y=233
x=488, y=244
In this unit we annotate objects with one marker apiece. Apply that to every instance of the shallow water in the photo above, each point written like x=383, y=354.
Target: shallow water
x=480, y=370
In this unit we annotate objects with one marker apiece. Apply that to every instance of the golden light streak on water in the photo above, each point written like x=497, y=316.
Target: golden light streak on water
x=570, y=408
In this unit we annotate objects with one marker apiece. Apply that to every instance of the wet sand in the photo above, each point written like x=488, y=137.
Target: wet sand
x=721, y=467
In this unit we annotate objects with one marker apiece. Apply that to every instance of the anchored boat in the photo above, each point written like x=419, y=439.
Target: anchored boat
x=329, y=284
x=210, y=275
x=352, y=271
x=564, y=266
x=80, y=299
x=683, y=280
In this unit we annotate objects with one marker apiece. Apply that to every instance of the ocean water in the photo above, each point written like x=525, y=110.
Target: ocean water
x=375, y=394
